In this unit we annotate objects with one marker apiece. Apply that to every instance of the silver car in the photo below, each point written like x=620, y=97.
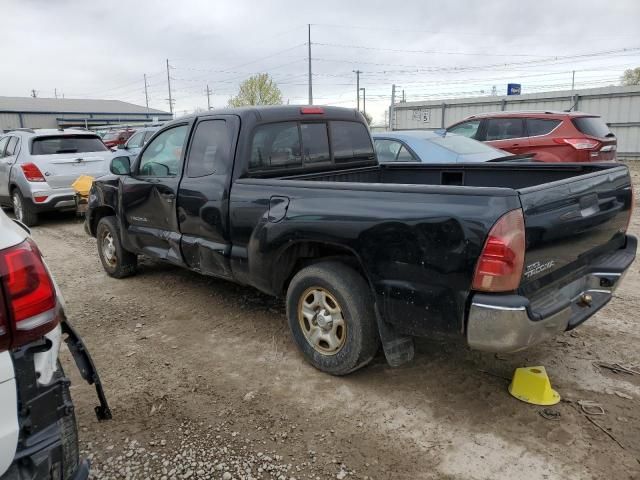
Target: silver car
x=37, y=168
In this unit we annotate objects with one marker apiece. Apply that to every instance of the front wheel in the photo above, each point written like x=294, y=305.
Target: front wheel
x=116, y=261
x=331, y=317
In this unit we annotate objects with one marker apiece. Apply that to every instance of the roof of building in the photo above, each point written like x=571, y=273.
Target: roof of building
x=73, y=105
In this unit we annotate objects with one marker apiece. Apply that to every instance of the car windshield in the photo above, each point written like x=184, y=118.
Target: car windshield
x=67, y=144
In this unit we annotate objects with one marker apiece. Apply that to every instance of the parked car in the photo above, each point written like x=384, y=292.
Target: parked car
x=113, y=138
x=291, y=200
x=37, y=168
x=38, y=432
x=432, y=146
x=138, y=140
x=551, y=136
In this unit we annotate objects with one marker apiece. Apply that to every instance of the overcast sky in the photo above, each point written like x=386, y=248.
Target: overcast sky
x=431, y=49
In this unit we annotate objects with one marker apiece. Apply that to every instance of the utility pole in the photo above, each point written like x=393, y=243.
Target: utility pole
x=573, y=79
x=309, y=57
x=364, y=100
x=209, y=92
x=34, y=94
x=403, y=97
x=169, y=86
x=55, y=92
x=392, y=108
x=357, y=72
x=146, y=93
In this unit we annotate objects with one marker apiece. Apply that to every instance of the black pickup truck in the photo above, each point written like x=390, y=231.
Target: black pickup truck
x=292, y=201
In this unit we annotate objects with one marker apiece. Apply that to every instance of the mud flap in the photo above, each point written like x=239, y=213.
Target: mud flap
x=398, y=349
x=86, y=367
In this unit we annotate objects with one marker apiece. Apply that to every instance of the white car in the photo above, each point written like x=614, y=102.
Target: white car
x=38, y=434
x=37, y=168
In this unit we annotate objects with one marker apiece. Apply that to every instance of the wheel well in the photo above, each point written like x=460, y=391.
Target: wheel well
x=303, y=254
x=98, y=214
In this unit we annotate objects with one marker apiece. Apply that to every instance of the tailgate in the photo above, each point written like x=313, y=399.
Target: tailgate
x=571, y=222
x=62, y=170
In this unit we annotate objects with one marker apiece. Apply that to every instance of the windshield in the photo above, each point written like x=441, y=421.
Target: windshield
x=592, y=126
x=67, y=144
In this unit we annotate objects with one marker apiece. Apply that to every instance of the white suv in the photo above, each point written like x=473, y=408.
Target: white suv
x=37, y=168
x=38, y=434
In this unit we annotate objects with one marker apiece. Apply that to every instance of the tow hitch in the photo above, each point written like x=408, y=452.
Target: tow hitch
x=87, y=368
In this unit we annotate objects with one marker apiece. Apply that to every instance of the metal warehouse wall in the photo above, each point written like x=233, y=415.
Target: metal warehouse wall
x=9, y=121
x=618, y=106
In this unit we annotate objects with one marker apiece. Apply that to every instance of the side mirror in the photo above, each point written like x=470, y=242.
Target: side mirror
x=120, y=165
x=122, y=146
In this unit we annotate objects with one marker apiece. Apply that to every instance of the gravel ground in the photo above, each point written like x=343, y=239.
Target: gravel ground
x=205, y=383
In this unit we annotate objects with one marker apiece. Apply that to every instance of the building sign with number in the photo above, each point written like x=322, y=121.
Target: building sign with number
x=422, y=115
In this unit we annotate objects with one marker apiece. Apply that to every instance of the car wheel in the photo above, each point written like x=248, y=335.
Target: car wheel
x=22, y=209
x=116, y=261
x=332, y=318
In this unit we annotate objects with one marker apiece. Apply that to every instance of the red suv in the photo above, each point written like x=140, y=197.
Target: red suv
x=551, y=136
x=113, y=138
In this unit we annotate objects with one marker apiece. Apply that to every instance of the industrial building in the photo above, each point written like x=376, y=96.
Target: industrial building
x=28, y=112
x=618, y=106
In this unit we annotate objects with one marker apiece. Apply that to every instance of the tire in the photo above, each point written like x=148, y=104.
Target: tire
x=332, y=318
x=116, y=261
x=23, y=209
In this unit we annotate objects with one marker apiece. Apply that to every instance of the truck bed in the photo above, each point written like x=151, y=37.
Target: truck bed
x=501, y=175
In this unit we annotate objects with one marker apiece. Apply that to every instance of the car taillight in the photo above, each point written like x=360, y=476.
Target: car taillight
x=5, y=335
x=312, y=110
x=579, y=143
x=30, y=297
x=500, y=265
x=32, y=172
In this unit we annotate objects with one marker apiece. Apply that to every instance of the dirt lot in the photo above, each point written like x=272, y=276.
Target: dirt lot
x=204, y=382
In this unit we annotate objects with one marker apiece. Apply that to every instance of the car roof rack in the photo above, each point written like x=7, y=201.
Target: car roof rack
x=30, y=130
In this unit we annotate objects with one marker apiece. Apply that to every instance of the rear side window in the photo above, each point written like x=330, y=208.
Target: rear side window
x=592, y=126
x=12, y=147
x=276, y=145
x=467, y=129
x=350, y=141
x=67, y=144
x=540, y=126
x=504, y=128
x=315, y=143
x=387, y=150
x=209, y=149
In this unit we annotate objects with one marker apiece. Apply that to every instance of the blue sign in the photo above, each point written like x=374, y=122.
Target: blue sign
x=514, y=89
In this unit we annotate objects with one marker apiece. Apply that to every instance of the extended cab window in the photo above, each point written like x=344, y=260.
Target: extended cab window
x=162, y=156
x=209, y=149
x=504, y=128
x=276, y=145
x=350, y=141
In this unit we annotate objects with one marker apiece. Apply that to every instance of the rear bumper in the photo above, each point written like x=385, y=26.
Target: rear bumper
x=509, y=323
x=57, y=199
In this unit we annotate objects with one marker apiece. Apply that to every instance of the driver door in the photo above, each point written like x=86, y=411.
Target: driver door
x=149, y=197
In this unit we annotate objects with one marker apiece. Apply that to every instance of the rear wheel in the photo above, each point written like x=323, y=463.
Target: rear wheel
x=331, y=317
x=116, y=261
x=23, y=209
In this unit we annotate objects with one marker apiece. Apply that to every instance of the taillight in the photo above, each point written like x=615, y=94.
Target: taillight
x=631, y=207
x=32, y=172
x=579, y=143
x=29, y=293
x=500, y=265
x=5, y=334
